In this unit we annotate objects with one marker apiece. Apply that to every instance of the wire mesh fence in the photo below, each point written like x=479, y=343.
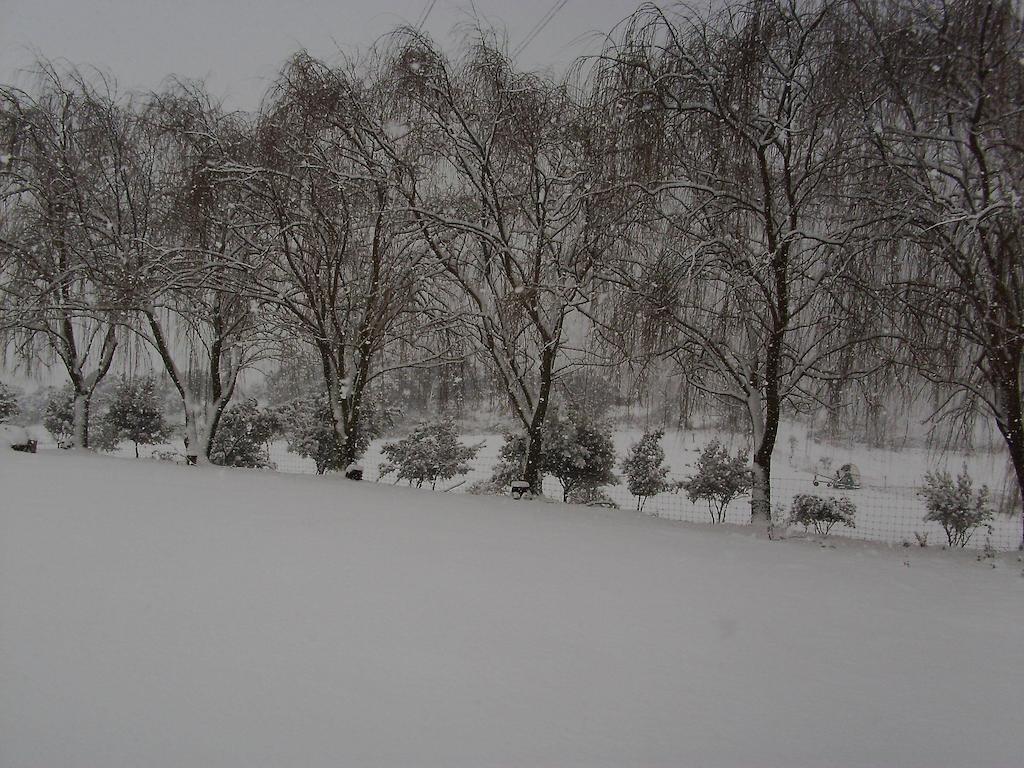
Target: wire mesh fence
x=886, y=513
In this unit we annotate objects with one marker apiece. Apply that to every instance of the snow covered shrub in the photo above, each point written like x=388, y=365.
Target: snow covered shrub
x=308, y=427
x=644, y=468
x=169, y=454
x=431, y=453
x=310, y=433
x=591, y=496
x=135, y=413
x=578, y=454
x=720, y=478
x=58, y=416
x=243, y=435
x=956, y=507
x=822, y=514
x=8, y=402
x=59, y=421
x=511, y=459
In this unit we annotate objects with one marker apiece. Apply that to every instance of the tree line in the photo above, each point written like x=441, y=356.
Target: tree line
x=791, y=205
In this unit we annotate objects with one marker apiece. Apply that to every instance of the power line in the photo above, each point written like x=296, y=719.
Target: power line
x=539, y=26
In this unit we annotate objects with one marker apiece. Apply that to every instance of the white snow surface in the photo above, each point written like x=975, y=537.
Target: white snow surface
x=157, y=615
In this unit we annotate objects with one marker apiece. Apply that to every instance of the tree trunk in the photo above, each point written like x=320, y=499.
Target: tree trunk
x=534, y=456
x=350, y=447
x=535, y=447
x=764, y=419
x=196, y=434
x=80, y=409
x=1010, y=421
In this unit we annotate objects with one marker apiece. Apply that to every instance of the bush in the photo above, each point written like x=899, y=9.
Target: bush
x=431, y=453
x=309, y=430
x=59, y=414
x=8, y=402
x=720, y=478
x=822, y=514
x=135, y=413
x=579, y=455
x=308, y=426
x=591, y=496
x=644, y=470
x=956, y=507
x=59, y=421
x=243, y=435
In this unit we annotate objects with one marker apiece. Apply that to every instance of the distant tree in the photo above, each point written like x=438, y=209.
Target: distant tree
x=135, y=413
x=720, y=478
x=644, y=468
x=8, y=402
x=958, y=508
x=243, y=435
x=822, y=514
x=431, y=453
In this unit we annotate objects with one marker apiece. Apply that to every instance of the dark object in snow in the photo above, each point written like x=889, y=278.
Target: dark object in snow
x=520, y=488
x=191, y=459
x=17, y=438
x=846, y=477
x=354, y=471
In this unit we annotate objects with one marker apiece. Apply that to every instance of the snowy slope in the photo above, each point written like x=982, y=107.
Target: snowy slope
x=156, y=615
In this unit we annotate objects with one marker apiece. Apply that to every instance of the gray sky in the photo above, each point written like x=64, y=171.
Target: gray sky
x=238, y=45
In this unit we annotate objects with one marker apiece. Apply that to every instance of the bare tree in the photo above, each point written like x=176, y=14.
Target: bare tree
x=195, y=311
x=506, y=202
x=345, y=268
x=74, y=218
x=948, y=136
x=737, y=128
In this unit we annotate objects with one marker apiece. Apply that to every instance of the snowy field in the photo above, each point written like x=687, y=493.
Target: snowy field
x=156, y=615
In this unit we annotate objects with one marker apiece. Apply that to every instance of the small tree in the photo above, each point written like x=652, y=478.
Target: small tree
x=822, y=514
x=957, y=508
x=644, y=468
x=579, y=454
x=431, y=453
x=136, y=414
x=59, y=421
x=720, y=478
x=8, y=402
x=511, y=458
x=310, y=430
x=58, y=416
x=243, y=435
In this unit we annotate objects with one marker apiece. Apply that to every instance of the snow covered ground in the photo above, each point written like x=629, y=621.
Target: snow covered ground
x=156, y=615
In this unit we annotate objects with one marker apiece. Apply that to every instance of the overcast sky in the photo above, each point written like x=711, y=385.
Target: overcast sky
x=238, y=45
